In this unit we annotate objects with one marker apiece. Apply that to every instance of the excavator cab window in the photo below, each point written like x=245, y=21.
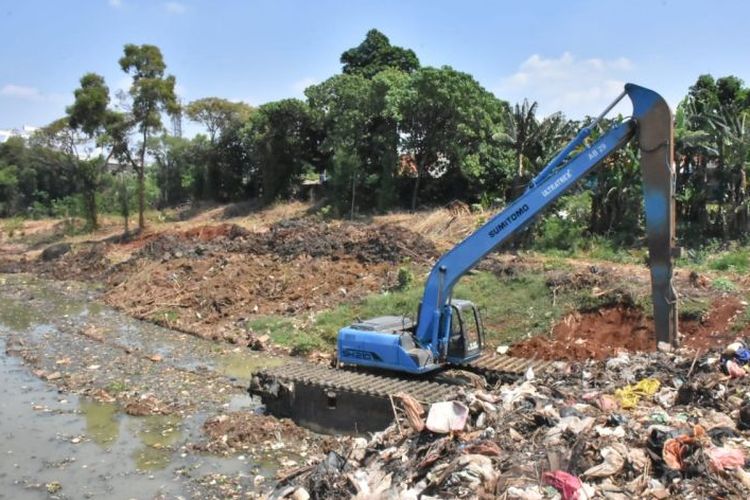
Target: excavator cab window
x=473, y=335
x=466, y=331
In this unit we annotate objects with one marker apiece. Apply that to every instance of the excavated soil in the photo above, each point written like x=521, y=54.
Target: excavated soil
x=605, y=332
x=288, y=240
x=208, y=280
x=212, y=296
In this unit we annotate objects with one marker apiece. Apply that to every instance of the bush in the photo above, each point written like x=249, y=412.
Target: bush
x=566, y=228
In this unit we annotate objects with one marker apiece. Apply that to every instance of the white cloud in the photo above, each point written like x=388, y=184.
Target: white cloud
x=175, y=7
x=21, y=92
x=577, y=87
x=300, y=85
x=115, y=3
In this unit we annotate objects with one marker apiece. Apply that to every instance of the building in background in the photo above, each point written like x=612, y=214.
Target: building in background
x=26, y=131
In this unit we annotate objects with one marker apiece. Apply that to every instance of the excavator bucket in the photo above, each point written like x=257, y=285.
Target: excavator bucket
x=655, y=140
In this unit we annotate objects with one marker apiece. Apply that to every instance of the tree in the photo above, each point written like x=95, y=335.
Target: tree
x=341, y=106
x=277, y=139
x=152, y=93
x=225, y=159
x=218, y=115
x=88, y=114
x=446, y=118
x=376, y=54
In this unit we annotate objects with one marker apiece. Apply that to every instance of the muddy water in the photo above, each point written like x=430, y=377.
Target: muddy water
x=56, y=441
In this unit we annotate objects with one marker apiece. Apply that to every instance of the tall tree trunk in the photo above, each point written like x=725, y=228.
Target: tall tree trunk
x=354, y=195
x=124, y=203
x=89, y=197
x=415, y=192
x=141, y=187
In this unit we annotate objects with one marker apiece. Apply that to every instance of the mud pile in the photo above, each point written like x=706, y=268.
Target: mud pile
x=641, y=426
x=289, y=240
x=212, y=279
x=605, y=332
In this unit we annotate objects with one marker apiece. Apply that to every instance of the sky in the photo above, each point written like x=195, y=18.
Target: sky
x=572, y=56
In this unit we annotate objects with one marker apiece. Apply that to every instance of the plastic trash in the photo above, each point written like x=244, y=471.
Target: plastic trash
x=734, y=370
x=629, y=395
x=567, y=484
x=726, y=458
x=614, y=461
x=447, y=416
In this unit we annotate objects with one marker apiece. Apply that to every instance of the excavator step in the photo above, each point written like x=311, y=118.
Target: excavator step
x=327, y=400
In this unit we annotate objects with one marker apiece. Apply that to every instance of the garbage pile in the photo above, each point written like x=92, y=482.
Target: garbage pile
x=647, y=425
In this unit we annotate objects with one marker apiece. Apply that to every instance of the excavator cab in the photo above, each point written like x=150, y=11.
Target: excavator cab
x=466, y=335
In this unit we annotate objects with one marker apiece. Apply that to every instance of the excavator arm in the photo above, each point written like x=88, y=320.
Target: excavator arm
x=651, y=123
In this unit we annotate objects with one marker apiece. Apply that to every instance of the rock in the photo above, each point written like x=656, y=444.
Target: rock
x=55, y=251
x=260, y=343
x=664, y=347
x=300, y=494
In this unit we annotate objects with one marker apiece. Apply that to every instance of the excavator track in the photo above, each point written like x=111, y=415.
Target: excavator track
x=353, y=401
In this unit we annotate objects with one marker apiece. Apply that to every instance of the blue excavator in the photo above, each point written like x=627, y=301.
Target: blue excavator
x=448, y=331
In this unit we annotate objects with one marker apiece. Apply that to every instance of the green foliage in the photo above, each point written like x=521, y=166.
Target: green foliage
x=737, y=260
x=8, y=189
x=693, y=309
x=278, y=141
x=283, y=332
x=447, y=125
x=565, y=227
x=404, y=278
x=218, y=115
x=376, y=54
x=386, y=133
x=12, y=226
x=152, y=93
x=723, y=284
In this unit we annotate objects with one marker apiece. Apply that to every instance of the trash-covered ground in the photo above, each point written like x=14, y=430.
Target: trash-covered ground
x=656, y=425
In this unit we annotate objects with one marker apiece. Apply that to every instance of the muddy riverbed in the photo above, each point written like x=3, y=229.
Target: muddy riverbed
x=94, y=403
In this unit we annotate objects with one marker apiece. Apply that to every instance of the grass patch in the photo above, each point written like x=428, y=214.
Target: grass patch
x=734, y=260
x=597, y=249
x=116, y=386
x=723, y=285
x=693, y=309
x=13, y=226
x=283, y=332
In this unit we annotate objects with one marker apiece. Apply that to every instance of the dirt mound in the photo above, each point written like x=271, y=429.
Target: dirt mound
x=289, y=240
x=716, y=328
x=212, y=296
x=591, y=335
x=88, y=263
x=600, y=334
x=236, y=432
x=386, y=243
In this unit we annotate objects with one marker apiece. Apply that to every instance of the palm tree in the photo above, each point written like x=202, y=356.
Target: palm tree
x=520, y=132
